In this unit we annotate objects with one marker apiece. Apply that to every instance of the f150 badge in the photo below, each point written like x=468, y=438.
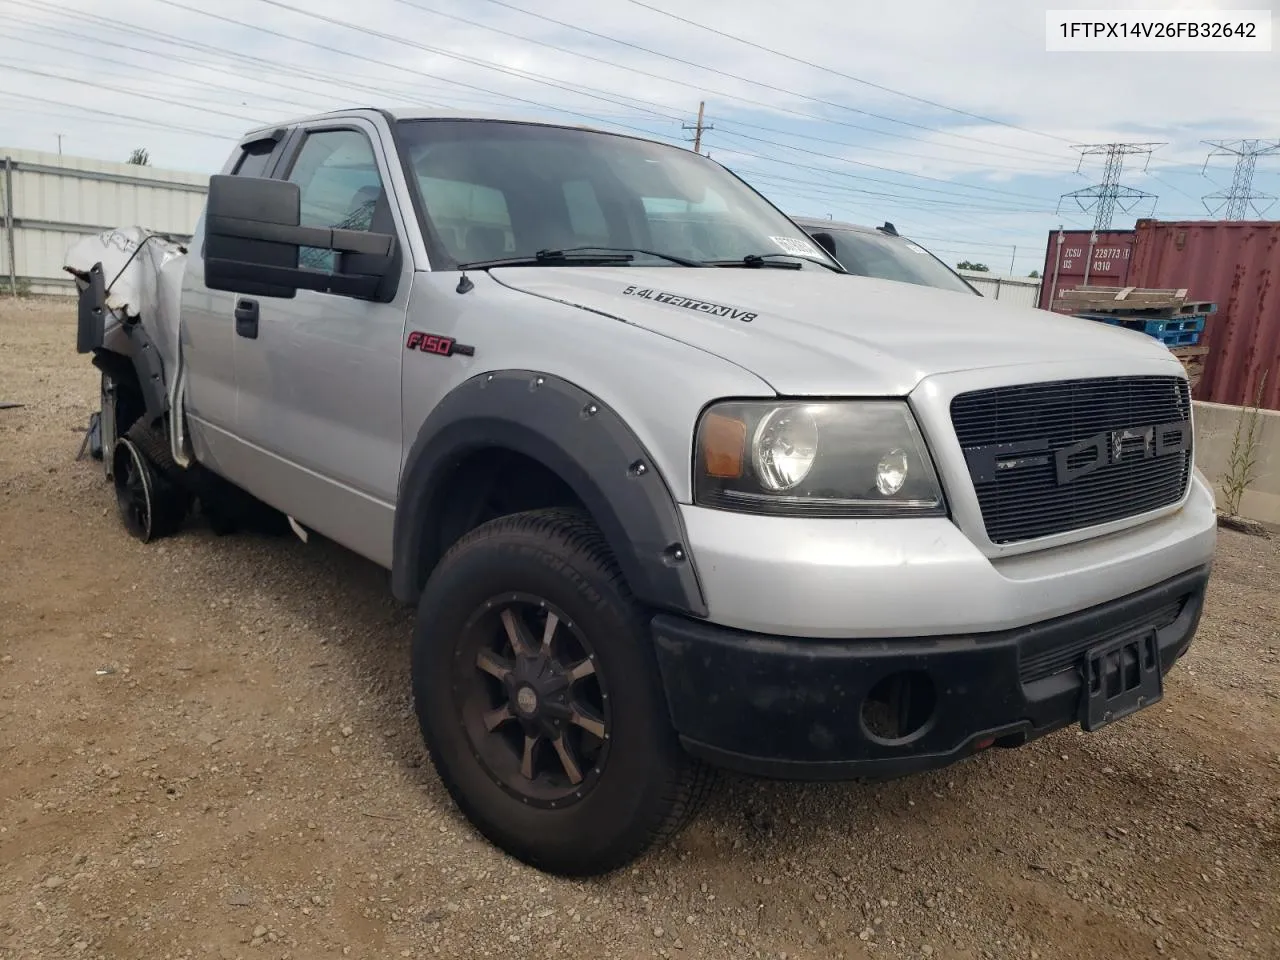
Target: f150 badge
x=1082, y=457
x=440, y=346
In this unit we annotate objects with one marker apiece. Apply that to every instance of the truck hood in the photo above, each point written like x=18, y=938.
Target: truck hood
x=816, y=332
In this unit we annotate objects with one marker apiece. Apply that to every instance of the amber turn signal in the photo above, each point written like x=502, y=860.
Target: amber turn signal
x=724, y=445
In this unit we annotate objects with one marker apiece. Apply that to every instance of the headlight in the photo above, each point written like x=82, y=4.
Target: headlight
x=862, y=458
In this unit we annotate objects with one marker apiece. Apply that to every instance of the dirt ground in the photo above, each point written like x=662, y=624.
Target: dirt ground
x=207, y=750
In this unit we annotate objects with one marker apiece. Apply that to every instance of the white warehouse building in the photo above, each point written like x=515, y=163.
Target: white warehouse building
x=50, y=201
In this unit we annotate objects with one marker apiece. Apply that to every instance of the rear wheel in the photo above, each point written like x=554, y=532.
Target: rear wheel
x=539, y=698
x=151, y=505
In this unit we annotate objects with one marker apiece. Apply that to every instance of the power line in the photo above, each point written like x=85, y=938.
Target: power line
x=99, y=41
x=527, y=75
x=946, y=203
x=199, y=85
x=475, y=61
x=981, y=164
x=275, y=66
x=845, y=76
x=952, y=198
x=1172, y=186
x=719, y=93
x=874, y=166
x=1104, y=197
x=760, y=83
x=145, y=96
x=383, y=63
x=122, y=116
x=1239, y=198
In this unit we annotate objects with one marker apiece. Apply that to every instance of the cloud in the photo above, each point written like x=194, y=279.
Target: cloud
x=821, y=142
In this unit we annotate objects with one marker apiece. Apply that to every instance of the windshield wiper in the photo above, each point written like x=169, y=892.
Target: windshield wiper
x=683, y=261
x=545, y=258
x=758, y=260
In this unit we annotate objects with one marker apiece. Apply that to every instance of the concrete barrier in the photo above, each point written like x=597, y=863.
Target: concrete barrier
x=1215, y=428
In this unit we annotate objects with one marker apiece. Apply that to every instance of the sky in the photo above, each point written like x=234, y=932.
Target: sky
x=946, y=117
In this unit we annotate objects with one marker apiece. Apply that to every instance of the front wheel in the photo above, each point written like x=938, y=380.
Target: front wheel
x=540, y=701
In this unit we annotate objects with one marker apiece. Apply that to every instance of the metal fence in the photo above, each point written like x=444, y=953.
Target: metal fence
x=50, y=201
x=1024, y=291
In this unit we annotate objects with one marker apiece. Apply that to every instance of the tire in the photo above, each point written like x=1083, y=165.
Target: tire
x=154, y=445
x=151, y=505
x=636, y=786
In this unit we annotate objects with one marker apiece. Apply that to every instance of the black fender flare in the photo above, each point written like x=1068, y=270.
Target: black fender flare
x=578, y=438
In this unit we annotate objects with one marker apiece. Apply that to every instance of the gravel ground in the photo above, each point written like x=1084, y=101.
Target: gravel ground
x=207, y=750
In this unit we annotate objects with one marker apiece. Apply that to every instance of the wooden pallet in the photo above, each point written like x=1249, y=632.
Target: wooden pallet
x=1131, y=301
x=1192, y=361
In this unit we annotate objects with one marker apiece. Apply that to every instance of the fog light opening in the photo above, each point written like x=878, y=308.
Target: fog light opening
x=900, y=708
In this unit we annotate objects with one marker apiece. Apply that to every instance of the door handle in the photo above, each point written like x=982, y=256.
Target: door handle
x=247, y=318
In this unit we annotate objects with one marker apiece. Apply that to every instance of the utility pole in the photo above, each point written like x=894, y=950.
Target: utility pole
x=59, y=136
x=1239, y=199
x=699, y=127
x=1106, y=196
x=1012, y=257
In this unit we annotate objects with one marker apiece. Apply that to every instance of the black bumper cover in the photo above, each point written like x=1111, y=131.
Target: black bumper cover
x=792, y=708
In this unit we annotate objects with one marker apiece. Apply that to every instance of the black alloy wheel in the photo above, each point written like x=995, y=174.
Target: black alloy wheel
x=540, y=698
x=534, y=705
x=150, y=505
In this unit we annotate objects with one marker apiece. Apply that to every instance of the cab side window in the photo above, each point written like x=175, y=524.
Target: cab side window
x=254, y=159
x=337, y=175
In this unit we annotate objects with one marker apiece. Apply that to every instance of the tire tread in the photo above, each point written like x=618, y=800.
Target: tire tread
x=691, y=781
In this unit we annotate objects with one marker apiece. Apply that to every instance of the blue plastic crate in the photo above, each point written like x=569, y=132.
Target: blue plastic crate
x=1181, y=338
x=1163, y=329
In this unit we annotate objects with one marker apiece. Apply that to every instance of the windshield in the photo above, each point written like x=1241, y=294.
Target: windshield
x=890, y=258
x=494, y=190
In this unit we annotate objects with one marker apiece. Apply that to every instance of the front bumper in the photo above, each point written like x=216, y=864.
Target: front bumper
x=798, y=708
x=885, y=578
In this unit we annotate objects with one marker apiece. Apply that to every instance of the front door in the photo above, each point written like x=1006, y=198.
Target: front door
x=319, y=386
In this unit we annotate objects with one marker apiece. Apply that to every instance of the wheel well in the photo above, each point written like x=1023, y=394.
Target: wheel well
x=490, y=483
x=130, y=403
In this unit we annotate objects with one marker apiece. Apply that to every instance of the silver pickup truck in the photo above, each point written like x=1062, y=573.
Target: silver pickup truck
x=670, y=489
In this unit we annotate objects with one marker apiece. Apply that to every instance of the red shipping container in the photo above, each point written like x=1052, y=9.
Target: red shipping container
x=1108, y=266
x=1233, y=263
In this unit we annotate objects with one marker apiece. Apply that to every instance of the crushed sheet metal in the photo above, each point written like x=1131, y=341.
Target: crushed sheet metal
x=143, y=271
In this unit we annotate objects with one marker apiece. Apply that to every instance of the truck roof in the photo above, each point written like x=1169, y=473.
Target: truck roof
x=428, y=113
x=837, y=225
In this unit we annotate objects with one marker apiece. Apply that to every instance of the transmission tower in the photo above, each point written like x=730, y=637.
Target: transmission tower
x=1240, y=198
x=1104, y=197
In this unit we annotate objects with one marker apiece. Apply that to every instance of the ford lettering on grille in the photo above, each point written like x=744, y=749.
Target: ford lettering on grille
x=1104, y=448
x=1053, y=457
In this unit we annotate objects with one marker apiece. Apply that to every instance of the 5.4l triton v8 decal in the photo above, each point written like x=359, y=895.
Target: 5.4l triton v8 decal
x=440, y=346
x=690, y=303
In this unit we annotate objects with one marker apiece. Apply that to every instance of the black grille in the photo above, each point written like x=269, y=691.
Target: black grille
x=1018, y=488
x=1037, y=661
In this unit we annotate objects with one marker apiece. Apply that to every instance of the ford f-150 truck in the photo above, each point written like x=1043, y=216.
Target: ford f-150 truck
x=670, y=490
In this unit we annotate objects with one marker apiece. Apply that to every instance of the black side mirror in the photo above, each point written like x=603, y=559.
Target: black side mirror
x=252, y=236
